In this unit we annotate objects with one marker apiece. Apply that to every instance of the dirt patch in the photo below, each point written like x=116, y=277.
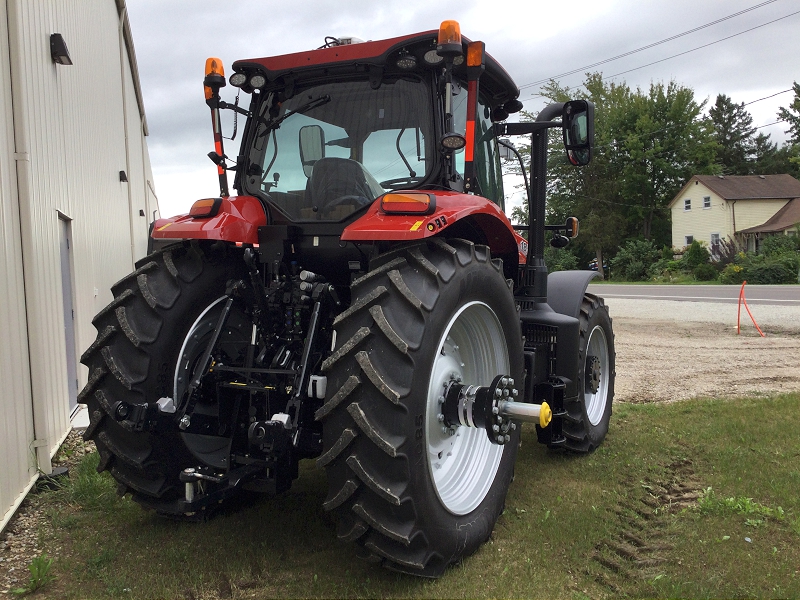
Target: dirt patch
x=664, y=361
x=639, y=548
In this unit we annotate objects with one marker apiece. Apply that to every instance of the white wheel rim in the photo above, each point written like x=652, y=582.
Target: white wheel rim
x=596, y=401
x=463, y=465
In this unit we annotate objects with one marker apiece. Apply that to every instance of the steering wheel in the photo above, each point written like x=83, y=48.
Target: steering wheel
x=400, y=182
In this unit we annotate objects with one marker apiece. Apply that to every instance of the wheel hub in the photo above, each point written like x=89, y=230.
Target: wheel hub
x=593, y=374
x=479, y=406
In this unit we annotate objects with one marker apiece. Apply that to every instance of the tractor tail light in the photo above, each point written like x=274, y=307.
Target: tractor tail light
x=415, y=203
x=204, y=209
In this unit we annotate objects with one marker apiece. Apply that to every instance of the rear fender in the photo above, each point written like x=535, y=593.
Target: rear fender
x=565, y=290
x=462, y=215
x=237, y=220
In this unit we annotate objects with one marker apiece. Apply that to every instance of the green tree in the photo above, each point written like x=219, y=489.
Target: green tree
x=647, y=145
x=733, y=128
x=666, y=142
x=792, y=115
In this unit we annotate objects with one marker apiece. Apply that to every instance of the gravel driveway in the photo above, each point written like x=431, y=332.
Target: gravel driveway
x=670, y=351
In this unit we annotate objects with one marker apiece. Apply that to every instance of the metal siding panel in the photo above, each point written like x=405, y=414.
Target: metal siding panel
x=72, y=117
x=43, y=120
x=16, y=426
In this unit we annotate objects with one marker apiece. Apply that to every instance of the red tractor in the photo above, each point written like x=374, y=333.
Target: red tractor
x=363, y=301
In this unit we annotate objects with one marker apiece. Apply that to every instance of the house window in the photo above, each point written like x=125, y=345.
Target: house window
x=706, y=201
x=689, y=240
x=687, y=204
x=715, y=245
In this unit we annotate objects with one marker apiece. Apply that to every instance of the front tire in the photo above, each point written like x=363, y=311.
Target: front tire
x=409, y=493
x=589, y=415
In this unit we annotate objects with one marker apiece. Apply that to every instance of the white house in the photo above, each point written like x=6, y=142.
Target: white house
x=76, y=199
x=710, y=208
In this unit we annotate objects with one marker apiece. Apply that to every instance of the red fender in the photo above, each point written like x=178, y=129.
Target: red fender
x=451, y=207
x=237, y=220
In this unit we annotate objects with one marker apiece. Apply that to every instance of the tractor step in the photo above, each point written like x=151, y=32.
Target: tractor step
x=552, y=391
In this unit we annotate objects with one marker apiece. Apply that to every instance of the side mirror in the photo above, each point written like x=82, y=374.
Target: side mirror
x=578, y=123
x=312, y=147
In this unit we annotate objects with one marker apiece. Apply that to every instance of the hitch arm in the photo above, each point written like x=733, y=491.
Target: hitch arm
x=203, y=365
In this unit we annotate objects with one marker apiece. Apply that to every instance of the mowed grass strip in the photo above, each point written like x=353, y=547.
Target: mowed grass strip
x=693, y=499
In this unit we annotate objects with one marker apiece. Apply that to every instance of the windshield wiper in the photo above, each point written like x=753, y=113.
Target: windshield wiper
x=275, y=123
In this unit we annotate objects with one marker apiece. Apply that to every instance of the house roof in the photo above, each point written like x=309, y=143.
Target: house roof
x=788, y=216
x=745, y=187
x=751, y=187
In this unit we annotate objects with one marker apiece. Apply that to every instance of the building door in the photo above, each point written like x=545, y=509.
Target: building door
x=65, y=228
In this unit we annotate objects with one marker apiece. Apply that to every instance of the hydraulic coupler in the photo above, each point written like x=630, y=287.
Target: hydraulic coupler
x=491, y=407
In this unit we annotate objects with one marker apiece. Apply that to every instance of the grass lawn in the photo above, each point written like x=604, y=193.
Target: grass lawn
x=694, y=499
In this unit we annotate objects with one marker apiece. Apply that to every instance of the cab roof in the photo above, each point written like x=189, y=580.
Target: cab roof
x=374, y=57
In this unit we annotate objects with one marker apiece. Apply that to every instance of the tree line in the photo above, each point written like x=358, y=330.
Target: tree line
x=648, y=143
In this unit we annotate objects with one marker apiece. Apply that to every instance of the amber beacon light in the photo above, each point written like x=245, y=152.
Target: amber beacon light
x=449, y=42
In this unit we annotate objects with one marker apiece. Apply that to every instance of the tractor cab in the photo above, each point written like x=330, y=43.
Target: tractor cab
x=323, y=142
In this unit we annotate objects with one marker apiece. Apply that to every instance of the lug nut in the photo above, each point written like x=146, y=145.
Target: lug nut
x=508, y=438
x=495, y=410
x=504, y=381
x=498, y=392
x=440, y=418
x=495, y=428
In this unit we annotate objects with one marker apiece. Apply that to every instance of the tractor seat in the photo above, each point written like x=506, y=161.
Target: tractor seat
x=338, y=182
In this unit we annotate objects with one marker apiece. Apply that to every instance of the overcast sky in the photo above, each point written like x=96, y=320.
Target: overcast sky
x=533, y=40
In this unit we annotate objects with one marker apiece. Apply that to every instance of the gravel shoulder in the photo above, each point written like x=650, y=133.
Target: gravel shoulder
x=668, y=351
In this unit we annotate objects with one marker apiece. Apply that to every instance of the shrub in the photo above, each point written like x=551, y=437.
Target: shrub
x=727, y=252
x=634, y=259
x=762, y=269
x=705, y=272
x=773, y=271
x=774, y=245
x=696, y=254
x=558, y=259
x=732, y=274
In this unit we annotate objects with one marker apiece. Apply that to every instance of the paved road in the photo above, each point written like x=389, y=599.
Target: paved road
x=774, y=295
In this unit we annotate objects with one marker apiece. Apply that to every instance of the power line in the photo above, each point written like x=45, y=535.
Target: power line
x=705, y=45
x=533, y=96
x=767, y=97
x=648, y=46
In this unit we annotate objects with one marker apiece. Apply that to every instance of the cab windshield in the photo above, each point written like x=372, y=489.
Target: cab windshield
x=331, y=149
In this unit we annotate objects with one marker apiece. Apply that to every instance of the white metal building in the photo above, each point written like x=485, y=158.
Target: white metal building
x=76, y=200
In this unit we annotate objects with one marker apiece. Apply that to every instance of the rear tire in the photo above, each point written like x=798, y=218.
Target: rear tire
x=588, y=416
x=141, y=334
x=408, y=494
